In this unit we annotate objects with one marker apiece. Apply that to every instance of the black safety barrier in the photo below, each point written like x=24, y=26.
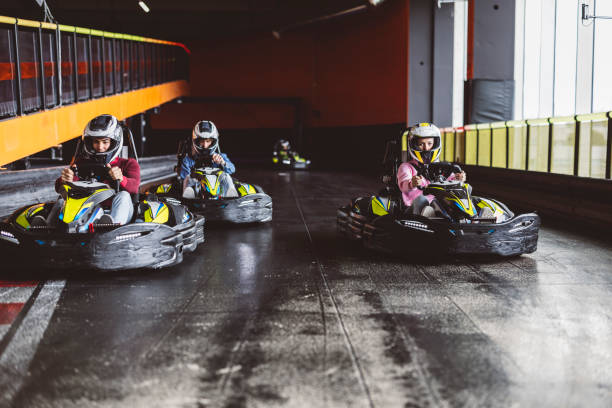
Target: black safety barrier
x=559, y=197
x=49, y=68
x=30, y=78
x=67, y=68
x=82, y=67
x=43, y=66
x=8, y=100
x=96, y=66
x=19, y=188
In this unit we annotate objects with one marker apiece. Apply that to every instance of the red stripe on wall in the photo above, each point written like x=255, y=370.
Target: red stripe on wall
x=96, y=67
x=29, y=70
x=66, y=68
x=15, y=284
x=82, y=67
x=49, y=68
x=9, y=311
x=7, y=70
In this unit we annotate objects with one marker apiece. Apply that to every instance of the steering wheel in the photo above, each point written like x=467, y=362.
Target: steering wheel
x=441, y=169
x=438, y=172
x=91, y=170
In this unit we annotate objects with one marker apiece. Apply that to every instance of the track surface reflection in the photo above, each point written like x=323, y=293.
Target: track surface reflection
x=287, y=314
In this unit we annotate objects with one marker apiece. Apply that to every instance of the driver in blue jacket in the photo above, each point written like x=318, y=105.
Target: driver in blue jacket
x=203, y=151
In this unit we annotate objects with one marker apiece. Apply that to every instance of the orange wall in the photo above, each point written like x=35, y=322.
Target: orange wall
x=351, y=71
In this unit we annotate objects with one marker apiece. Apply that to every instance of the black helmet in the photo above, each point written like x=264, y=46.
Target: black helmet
x=103, y=126
x=205, y=129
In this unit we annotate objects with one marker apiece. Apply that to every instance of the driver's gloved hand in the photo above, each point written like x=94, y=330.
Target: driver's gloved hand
x=67, y=175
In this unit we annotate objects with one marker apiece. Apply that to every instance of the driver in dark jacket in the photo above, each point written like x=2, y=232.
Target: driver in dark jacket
x=102, y=142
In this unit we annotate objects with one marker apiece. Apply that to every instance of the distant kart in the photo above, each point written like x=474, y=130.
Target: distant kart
x=157, y=236
x=252, y=205
x=290, y=161
x=380, y=221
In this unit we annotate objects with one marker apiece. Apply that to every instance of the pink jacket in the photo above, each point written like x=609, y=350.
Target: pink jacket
x=405, y=173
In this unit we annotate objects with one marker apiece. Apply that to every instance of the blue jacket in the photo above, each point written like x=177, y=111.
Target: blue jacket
x=188, y=163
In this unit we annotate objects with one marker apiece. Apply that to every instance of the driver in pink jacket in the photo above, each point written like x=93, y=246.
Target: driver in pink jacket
x=424, y=146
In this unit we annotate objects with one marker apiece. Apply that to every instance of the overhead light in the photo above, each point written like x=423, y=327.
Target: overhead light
x=375, y=2
x=144, y=6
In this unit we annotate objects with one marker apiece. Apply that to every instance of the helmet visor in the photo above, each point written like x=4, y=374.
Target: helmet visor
x=425, y=144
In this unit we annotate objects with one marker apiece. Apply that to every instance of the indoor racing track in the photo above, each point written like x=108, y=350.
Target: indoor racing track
x=288, y=314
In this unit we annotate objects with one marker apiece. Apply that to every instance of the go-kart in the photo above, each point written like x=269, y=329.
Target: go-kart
x=157, y=235
x=289, y=160
x=248, y=203
x=461, y=224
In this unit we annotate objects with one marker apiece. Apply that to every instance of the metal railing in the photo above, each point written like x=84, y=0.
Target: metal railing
x=44, y=66
x=577, y=145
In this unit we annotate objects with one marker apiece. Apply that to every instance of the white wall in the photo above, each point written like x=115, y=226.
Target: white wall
x=459, y=60
x=562, y=65
x=584, y=64
x=566, y=32
x=602, y=67
x=531, y=58
x=547, y=57
x=519, y=47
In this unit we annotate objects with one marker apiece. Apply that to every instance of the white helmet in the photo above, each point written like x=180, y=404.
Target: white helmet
x=282, y=144
x=424, y=131
x=205, y=129
x=103, y=126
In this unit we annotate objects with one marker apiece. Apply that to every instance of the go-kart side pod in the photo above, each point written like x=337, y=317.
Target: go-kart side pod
x=250, y=208
x=416, y=234
x=389, y=235
x=138, y=245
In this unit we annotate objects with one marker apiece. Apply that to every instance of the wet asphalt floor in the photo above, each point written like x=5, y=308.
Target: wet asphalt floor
x=287, y=314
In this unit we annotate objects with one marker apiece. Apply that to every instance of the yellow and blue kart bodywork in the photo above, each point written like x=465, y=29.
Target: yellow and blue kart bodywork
x=463, y=224
x=290, y=161
x=251, y=206
x=167, y=230
x=374, y=221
